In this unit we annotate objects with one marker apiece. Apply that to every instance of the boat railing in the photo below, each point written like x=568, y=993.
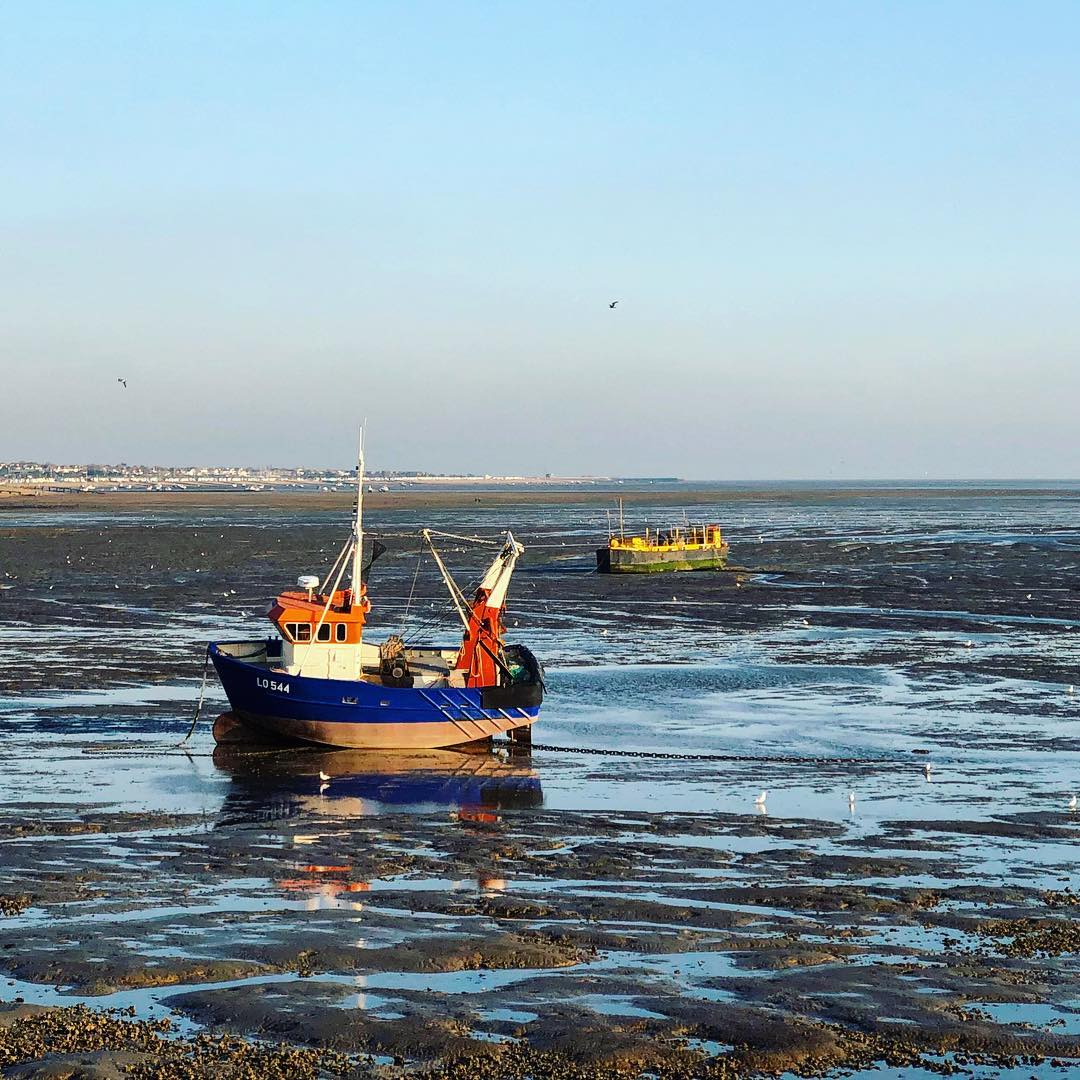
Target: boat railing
x=260, y=653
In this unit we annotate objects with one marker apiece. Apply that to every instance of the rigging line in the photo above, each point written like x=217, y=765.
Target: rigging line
x=470, y=539
x=460, y=603
x=440, y=618
x=325, y=610
x=438, y=622
x=415, y=634
x=341, y=555
x=416, y=574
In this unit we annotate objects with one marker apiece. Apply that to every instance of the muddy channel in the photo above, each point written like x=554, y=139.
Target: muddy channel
x=894, y=668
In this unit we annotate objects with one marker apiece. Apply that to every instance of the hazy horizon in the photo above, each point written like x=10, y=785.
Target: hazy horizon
x=376, y=470
x=843, y=239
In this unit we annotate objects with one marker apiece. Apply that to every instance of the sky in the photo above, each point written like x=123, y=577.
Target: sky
x=844, y=238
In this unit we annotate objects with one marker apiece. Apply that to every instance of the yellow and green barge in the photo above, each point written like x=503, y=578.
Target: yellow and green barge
x=690, y=547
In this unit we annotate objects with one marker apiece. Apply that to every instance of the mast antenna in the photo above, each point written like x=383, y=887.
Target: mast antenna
x=358, y=527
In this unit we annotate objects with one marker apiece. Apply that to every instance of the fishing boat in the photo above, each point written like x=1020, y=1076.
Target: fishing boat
x=680, y=547
x=320, y=680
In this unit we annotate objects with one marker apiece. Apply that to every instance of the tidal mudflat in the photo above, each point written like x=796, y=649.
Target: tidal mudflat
x=209, y=914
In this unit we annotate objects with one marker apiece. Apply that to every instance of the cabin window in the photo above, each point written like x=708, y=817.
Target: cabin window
x=301, y=631
x=341, y=631
x=324, y=632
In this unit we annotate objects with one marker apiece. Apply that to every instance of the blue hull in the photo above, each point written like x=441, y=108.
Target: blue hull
x=342, y=712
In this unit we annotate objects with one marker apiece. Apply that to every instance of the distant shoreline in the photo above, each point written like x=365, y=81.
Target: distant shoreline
x=17, y=498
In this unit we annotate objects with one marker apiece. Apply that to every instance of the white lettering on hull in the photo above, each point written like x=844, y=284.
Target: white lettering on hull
x=272, y=684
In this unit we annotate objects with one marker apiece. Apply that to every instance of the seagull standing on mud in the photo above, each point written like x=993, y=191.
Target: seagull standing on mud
x=1072, y=803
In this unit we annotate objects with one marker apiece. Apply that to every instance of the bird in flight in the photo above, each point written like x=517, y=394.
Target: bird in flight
x=124, y=381
x=613, y=303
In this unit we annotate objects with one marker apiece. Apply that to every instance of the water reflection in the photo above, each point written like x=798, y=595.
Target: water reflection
x=269, y=782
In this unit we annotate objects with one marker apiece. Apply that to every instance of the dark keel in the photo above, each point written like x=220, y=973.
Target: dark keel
x=229, y=728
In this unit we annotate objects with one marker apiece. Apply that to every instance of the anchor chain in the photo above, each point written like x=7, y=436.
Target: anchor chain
x=661, y=755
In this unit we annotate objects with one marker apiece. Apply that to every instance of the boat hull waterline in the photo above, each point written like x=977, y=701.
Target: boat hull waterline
x=362, y=715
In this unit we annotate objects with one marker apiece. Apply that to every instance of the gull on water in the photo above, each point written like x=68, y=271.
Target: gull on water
x=851, y=798
x=1072, y=803
x=759, y=800
x=323, y=776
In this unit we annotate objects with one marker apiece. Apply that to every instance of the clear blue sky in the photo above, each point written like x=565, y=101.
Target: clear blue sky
x=844, y=236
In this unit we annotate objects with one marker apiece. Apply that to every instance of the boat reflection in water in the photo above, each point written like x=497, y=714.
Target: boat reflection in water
x=287, y=781
x=280, y=787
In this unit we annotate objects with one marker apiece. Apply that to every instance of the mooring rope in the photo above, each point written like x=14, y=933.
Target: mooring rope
x=199, y=703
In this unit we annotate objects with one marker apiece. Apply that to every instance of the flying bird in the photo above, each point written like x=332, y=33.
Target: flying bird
x=124, y=381
x=612, y=304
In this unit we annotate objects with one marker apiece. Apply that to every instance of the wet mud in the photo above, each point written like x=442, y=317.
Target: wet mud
x=895, y=670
